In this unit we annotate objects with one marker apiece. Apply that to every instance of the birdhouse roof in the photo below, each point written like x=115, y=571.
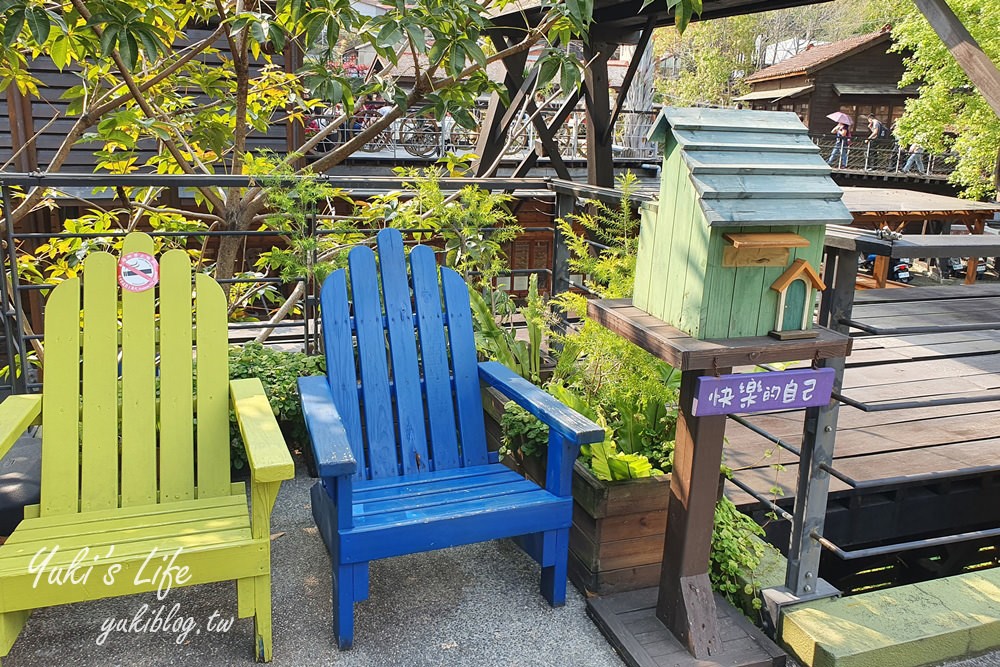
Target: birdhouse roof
x=799, y=269
x=753, y=167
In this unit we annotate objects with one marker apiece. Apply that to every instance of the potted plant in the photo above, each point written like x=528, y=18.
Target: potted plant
x=620, y=486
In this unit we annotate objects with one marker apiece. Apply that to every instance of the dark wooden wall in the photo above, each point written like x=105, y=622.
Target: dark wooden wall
x=872, y=66
x=21, y=117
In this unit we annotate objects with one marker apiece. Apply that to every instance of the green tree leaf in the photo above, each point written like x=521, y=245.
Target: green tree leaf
x=128, y=49
x=12, y=30
x=38, y=23
x=388, y=36
x=548, y=70
x=416, y=34
x=59, y=51
x=109, y=40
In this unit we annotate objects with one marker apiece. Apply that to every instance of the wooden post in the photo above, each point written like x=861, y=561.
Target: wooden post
x=880, y=271
x=494, y=127
x=600, y=167
x=685, y=604
x=972, y=264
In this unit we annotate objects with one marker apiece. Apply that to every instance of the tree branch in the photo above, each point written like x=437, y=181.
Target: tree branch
x=159, y=76
x=147, y=109
x=91, y=117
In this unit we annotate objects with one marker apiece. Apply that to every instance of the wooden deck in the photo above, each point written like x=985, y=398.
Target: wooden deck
x=886, y=369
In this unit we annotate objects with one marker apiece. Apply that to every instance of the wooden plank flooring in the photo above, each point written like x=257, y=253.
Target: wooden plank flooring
x=629, y=622
x=886, y=369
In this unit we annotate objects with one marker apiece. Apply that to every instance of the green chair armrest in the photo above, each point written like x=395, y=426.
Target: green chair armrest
x=16, y=414
x=266, y=449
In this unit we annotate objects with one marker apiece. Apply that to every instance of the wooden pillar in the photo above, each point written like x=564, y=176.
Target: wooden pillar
x=685, y=604
x=880, y=270
x=496, y=122
x=972, y=264
x=600, y=166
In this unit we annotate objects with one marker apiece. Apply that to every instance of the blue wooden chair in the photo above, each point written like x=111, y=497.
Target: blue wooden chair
x=398, y=434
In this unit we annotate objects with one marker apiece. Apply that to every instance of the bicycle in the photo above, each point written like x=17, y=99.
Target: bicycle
x=418, y=136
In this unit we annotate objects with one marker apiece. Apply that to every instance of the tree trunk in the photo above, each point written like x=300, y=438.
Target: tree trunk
x=238, y=218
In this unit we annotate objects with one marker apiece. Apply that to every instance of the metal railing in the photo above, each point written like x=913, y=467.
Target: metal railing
x=881, y=157
x=421, y=137
x=20, y=303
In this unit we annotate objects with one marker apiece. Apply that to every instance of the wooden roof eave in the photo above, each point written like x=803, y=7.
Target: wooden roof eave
x=833, y=60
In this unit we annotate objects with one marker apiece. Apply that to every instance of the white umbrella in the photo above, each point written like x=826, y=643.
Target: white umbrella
x=840, y=117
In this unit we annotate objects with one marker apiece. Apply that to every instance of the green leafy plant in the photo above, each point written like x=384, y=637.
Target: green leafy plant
x=500, y=343
x=279, y=372
x=522, y=432
x=610, y=272
x=735, y=553
x=606, y=459
x=470, y=226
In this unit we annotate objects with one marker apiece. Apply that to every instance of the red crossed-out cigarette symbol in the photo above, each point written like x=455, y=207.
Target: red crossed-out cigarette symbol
x=137, y=272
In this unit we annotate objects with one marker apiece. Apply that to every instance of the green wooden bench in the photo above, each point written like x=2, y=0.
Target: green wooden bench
x=135, y=465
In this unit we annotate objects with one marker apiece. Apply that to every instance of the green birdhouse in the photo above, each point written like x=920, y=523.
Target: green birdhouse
x=733, y=246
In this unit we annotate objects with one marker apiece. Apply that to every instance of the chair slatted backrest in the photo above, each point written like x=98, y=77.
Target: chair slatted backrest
x=100, y=452
x=402, y=364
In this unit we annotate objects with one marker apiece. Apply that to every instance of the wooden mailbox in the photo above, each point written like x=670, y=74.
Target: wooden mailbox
x=735, y=245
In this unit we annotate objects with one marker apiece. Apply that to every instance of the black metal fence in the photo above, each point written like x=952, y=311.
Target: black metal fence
x=22, y=304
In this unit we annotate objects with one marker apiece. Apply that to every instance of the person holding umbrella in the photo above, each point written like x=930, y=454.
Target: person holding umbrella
x=842, y=134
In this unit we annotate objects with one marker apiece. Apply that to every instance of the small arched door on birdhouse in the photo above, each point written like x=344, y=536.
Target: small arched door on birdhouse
x=795, y=301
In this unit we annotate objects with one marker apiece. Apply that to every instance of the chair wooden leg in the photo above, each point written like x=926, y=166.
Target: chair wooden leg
x=262, y=617
x=343, y=604
x=553, y=585
x=11, y=623
x=245, y=597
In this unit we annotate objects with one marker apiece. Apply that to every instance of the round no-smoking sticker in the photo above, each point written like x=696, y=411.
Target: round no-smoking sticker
x=138, y=272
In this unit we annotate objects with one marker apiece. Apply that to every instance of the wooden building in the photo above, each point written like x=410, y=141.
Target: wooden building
x=857, y=76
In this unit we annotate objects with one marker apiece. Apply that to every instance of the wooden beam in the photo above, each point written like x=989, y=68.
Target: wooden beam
x=970, y=56
x=493, y=129
x=600, y=167
x=640, y=49
x=546, y=135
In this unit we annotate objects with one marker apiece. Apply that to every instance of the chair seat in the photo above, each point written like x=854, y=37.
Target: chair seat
x=434, y=510
x=132, y=550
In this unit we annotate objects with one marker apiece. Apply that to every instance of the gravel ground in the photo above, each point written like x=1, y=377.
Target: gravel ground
x=475, y=606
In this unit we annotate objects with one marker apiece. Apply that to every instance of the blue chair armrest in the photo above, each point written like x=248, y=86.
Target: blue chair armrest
x=334, y=457
x=567, y=422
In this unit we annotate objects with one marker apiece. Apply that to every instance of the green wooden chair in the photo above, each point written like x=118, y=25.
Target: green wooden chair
x=135, y=466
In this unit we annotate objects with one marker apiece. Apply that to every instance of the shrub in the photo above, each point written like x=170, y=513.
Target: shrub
x=279, y=372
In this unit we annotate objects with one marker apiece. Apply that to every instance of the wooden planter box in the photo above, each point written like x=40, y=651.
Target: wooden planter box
x=616, y=542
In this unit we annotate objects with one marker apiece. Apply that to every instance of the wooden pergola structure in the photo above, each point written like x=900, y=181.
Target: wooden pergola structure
x=629, y=22
x=879, y=207
x=615, y=23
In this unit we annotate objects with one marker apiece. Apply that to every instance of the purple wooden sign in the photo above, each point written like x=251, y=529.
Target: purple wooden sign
x=760, y=392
